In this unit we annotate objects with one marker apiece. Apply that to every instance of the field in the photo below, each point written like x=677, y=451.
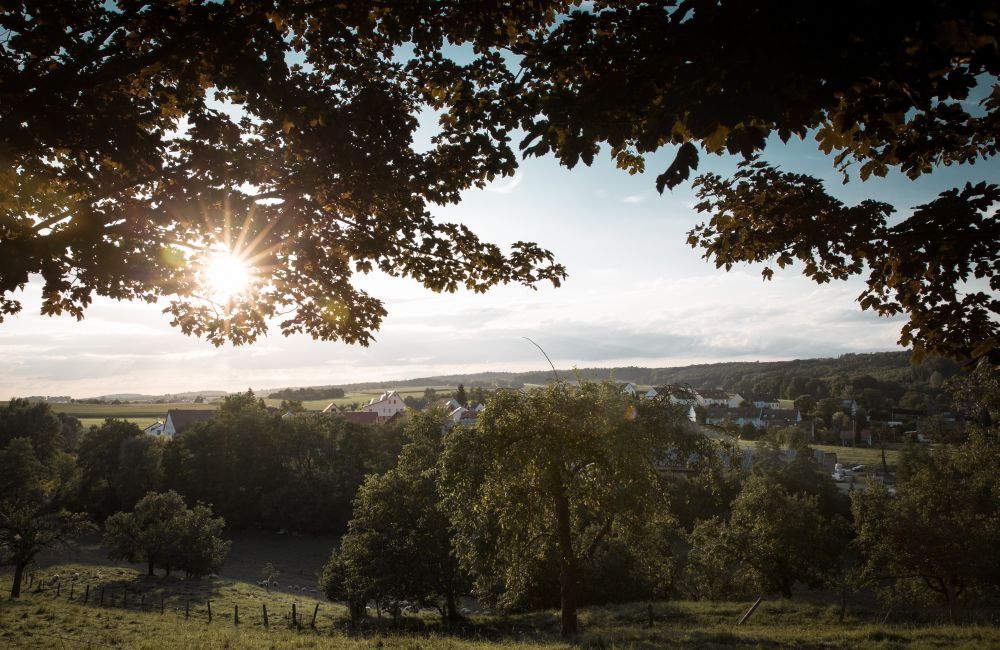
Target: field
x=47, y=620
x=144, y=414
x=362, y=397
x=870, y=457
x=57, y=617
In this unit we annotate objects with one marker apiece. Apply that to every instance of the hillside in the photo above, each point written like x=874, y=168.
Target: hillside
x=775, y=378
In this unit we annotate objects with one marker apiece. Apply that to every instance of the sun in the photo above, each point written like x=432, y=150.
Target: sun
x=225, y=276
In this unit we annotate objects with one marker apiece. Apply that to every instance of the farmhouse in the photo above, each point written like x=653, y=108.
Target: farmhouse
x=627, y=387
x=717, y=397
x=155, y=429
x=180, y=419
x=676, y=394
x=388, y=405
x=360, y=417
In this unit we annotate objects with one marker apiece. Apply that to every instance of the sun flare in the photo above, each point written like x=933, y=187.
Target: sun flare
x=226, y=276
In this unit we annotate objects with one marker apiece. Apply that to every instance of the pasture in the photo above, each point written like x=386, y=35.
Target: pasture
x=123, y=609
x=59, y=618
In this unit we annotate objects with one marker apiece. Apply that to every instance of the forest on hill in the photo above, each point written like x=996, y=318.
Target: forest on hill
x=877, y=380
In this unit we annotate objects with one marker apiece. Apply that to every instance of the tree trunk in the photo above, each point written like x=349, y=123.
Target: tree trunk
x=15, y=588
x=451, y=607
x=567, y=568
x=951, y=593
x=358, y=612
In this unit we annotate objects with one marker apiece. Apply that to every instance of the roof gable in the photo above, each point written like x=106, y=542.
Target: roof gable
x=183, y=418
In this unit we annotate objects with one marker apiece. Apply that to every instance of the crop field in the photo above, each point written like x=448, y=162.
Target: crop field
x=362, y=397
x=126, y=411
x=144, y=413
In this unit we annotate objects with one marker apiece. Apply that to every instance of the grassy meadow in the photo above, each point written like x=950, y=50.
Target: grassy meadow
x=43, y=619
x=53, y=617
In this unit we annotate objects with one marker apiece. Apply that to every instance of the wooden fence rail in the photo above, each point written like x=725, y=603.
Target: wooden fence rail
x=137, y=600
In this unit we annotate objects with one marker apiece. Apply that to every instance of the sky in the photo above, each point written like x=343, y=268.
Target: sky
x=636, y=294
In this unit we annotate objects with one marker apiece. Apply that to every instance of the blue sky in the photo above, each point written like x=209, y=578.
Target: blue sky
x=636, y=295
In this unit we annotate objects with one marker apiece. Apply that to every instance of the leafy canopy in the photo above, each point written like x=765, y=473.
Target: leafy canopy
x=140, y=138
x=554, y=472
x=162, y=531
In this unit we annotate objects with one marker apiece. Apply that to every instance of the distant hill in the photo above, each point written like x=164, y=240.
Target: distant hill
x=890, y=374
x=785, y=379
x=172, y=397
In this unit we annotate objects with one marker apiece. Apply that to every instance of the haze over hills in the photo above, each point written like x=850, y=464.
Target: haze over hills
x=764, y=376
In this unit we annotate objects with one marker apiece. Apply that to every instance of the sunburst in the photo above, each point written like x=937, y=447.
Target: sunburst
x=225, y=276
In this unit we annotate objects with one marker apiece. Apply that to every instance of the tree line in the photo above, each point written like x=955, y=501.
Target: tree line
x=246, y=468
x=308, y=394
x=563, y=497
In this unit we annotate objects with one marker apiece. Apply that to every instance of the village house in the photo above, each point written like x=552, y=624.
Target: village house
x=155, y=429
x=356, y=417
x=180, y=419
x=628, y=388
x=387, y=406
x=775, y=417
x=763, y=402
x=676, y=394
x=717, y=397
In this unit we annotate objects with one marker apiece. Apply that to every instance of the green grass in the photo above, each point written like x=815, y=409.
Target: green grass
x=870, y=457
x=40, y=619
x=125, y=411
x=362, y=397
x=143, y=422
x=144, y=413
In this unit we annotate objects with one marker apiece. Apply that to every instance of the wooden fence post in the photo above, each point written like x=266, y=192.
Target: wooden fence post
x=86, y=595
x=102, y=596
x=750, y=611
x=312, y=623
x=264, y=605
x=295, y=622
x=71, y=586
x=187, y=607
x=209, y=610
x=236, y=614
